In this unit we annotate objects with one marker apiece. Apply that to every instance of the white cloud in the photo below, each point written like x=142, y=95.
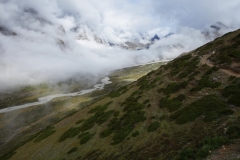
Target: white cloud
x=42, y=51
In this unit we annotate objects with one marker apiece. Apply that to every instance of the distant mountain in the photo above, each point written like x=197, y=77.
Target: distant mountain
x=5, y=31
x=155, y=38
x=216, y=30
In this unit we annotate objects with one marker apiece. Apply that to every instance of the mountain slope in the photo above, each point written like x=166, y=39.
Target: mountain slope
x=182, y=110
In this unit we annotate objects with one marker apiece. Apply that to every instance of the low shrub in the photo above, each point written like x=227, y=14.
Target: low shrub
x=187, y=153
x=114, y=94
x=170, y=104
x=135, y=134
x=233, y=132
x=202, y=149
x=211, y=70
x=235, y=54
x=183, y=75
x=121, y=134
x=180, y=97
x=107, y=132
x=100, y=108
x=116, y=113
x=231, y=78
x=180, y=62
x=88, y=123
x=72, y=150
x=146, y=101
x=236, y=81
x=80, y=121
x=121, y=127
x=44, y=134
x=102, y=117
x=205, y=82
x=85, y=137
x=153, y=126
x=174, y=87
x=162, y=117
x=156, y=80
x=72, y=132
x=119, y=92
x=235, y=100
x=210, y=106
x=99, y=117
x=230, y=90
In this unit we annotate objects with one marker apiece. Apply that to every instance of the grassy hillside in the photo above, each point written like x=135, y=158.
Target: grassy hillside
x=187, y=109
x=19, y=126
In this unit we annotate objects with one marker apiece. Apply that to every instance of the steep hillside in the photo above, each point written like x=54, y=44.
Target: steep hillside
x=187, y=109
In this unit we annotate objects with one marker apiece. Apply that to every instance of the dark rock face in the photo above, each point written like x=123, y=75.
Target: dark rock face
x=6, y=31
x=155, y=38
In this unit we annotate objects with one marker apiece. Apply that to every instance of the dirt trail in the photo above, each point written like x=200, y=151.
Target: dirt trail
x=228, y=152
x=204, y=60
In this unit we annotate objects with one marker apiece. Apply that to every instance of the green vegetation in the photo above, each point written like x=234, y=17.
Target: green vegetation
x=9, y=154
x=135, y=134
x=174, y=87
x=191, y=65
x=183, y=66
x=183, y=75
x=153, y=126
x=116, y=113
x=85, y=137
x=162, y=117
x=127, y=123
x=146, y=101
x=99, y=117
x=202, y=149
x=145, y=84
x=228, y=52
x=231, y=78
x=121, y=127
x=205, y=82
x=211, y=107
x=208, y=46
x=68, y=115
x=156, y=79
x=72, y=132
x=181, y=61
x=119, y=92
x=233, y=132
x=88, y=123
x=236, y=81
x=231, y=90
x=74, y=149
x=107, y=132
x=180, y=97
x=80, y=121
x=100, y=108
x=235, y=100
x=211, y=70
x=46, y=133
x=187, y=153
x=170, y=104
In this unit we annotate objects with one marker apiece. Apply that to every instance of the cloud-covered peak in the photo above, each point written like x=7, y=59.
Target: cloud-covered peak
x=54, y=40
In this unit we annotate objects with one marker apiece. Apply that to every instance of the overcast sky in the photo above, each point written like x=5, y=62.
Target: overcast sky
x=34, y=55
